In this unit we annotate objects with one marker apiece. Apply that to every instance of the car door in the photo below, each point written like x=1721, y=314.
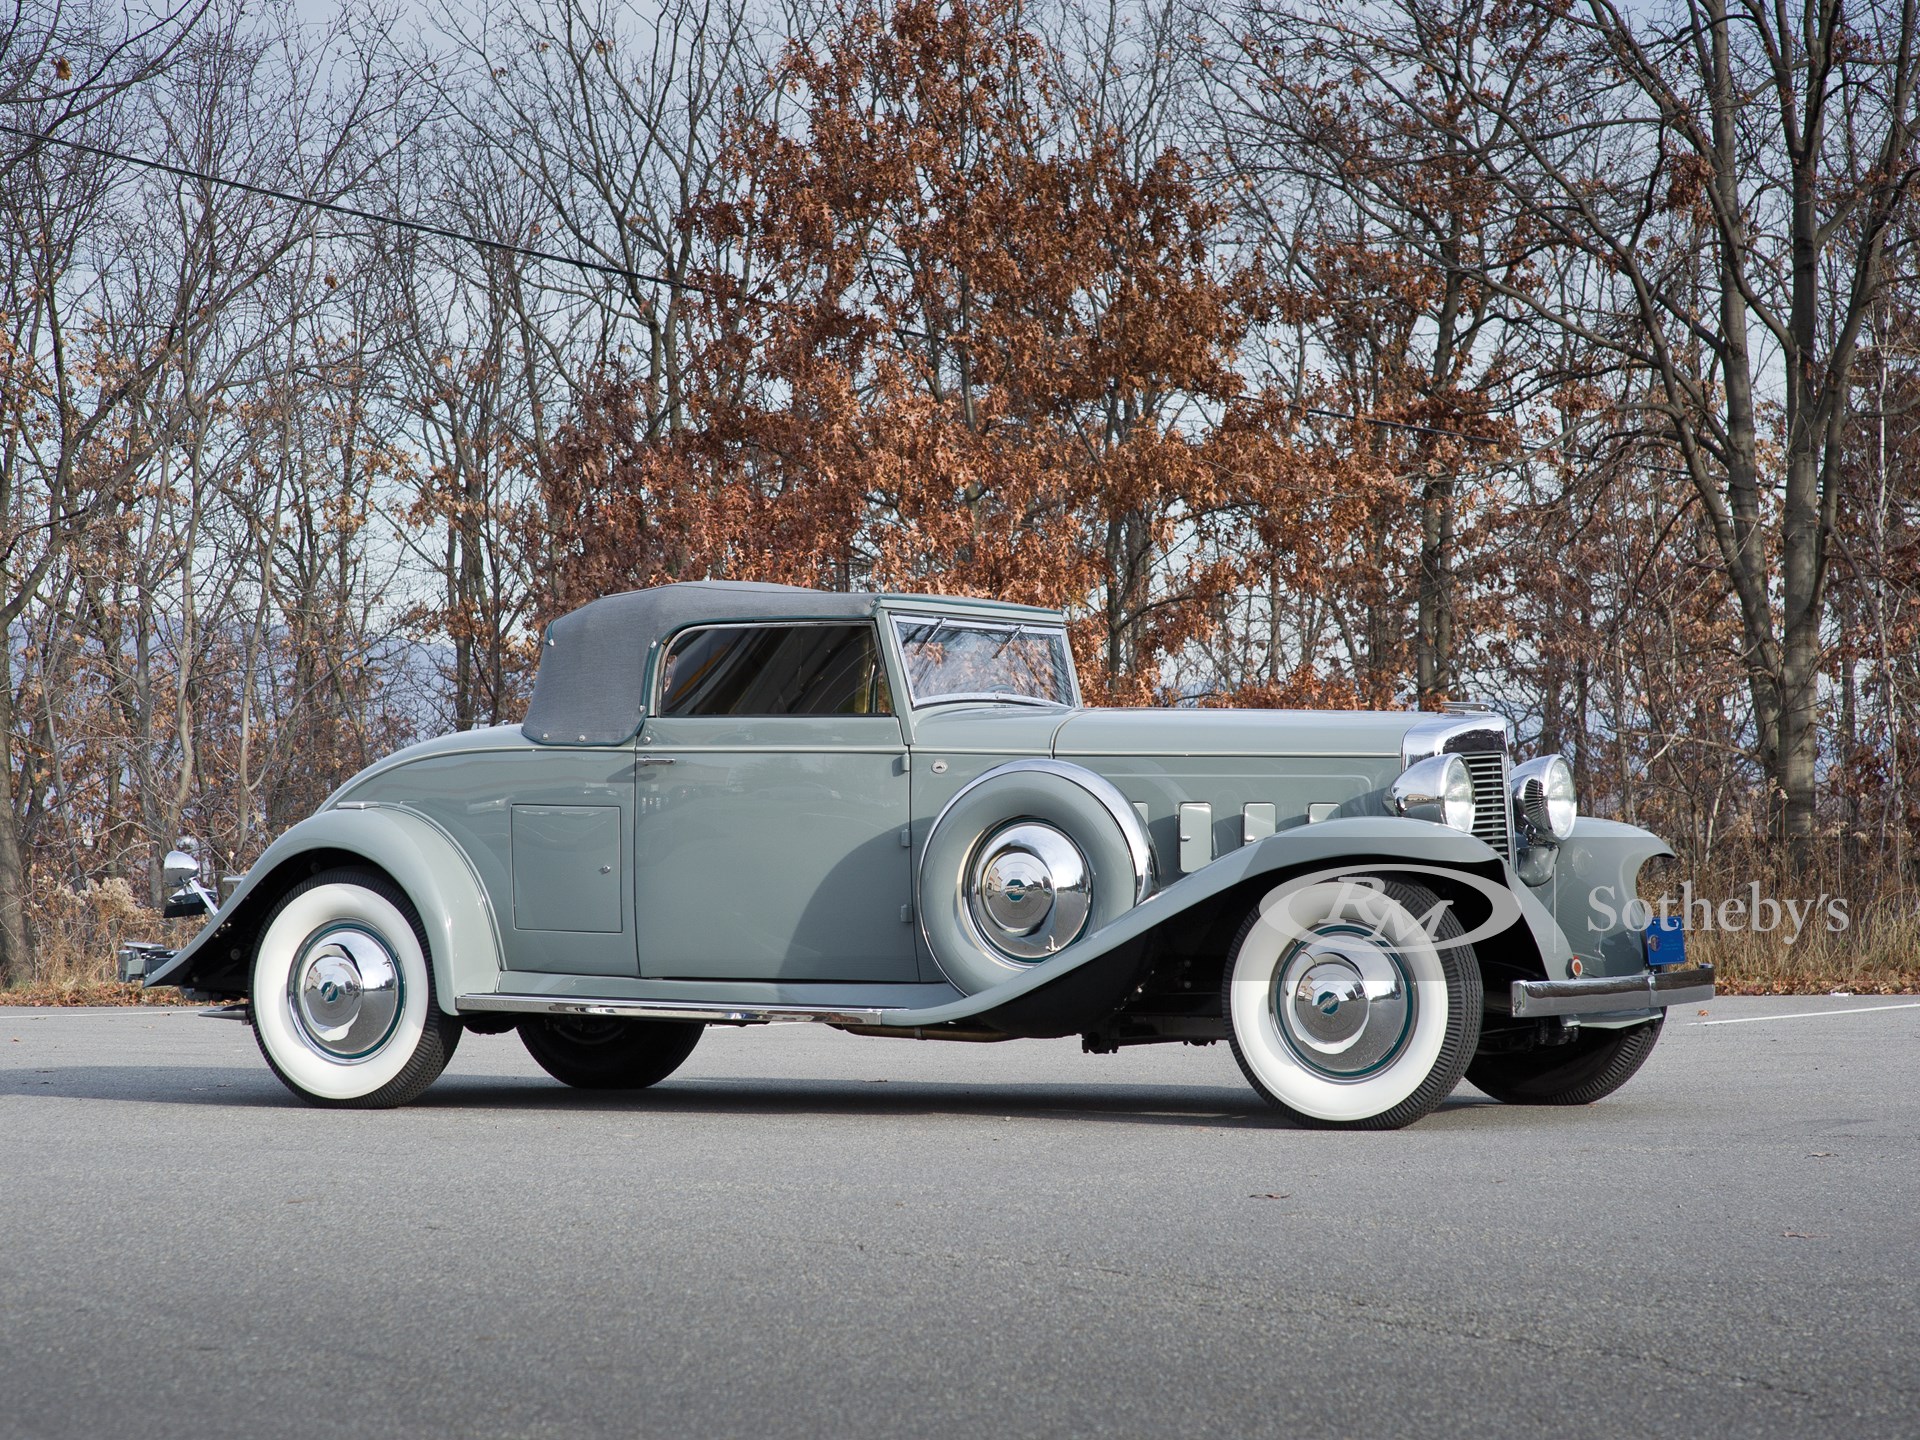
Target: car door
x=772, y=810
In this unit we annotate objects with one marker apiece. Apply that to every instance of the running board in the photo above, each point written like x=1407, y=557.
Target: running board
x=669, y=1010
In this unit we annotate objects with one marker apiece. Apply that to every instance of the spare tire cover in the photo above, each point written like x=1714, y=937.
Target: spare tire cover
x=1082, y=806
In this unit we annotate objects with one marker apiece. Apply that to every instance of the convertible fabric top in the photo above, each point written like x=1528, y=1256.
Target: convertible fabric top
x=591, y=688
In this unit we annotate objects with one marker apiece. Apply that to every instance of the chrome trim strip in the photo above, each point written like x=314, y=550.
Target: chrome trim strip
x=668, y=1010
x=745, y=747
x=1653, y=990
x=1139, y=752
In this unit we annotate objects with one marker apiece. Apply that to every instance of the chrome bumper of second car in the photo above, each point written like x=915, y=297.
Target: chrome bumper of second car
x=1607, y=994
x=138, y=959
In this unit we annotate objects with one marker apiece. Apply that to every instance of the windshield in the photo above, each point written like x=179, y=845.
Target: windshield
x=949, y=659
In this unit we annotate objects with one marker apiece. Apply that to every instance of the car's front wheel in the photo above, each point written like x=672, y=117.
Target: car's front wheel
x=342, y=999
x=1353, y=1003
x=1591, y=1066
x=590, y=1053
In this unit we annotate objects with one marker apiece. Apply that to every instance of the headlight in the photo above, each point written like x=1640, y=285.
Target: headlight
x=1438, y=789
x=1543, y=800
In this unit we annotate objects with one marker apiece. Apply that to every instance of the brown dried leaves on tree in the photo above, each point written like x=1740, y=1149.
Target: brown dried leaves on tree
x=979, y=346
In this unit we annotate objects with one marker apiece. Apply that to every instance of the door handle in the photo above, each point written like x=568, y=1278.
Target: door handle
x=655, y=760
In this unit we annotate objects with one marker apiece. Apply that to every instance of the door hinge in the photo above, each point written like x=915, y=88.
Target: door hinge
x=906, y=914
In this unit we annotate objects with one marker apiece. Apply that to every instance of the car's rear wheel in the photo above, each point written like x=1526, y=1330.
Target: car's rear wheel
x=1352, y=1003
x=1587, y=1068
x=591, y=1053
x=342, y=994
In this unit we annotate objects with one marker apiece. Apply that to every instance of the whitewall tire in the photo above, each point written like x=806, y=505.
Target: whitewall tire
x=1353, y=1003
x=342, y=995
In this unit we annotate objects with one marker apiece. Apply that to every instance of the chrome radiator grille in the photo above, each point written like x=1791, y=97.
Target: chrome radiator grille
x=1489, y=771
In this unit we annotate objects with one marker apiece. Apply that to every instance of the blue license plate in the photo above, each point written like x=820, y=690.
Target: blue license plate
x=1666, y=942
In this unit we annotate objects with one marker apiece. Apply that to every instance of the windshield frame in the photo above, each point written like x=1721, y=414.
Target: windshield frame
x=1011, y=627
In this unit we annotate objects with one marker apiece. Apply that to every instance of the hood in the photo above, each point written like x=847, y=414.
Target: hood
x=1372, y=734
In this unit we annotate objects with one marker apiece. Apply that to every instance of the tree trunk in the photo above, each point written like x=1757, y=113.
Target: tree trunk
x=13, y=880
x=1434, y=627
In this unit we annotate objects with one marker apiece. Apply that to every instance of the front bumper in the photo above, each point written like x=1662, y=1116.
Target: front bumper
x=1612, y=994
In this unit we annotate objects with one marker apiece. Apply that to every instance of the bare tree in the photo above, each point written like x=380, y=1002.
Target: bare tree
x=132, y=307
x=1731, y=176
x=619, y=117
x=477, y=347
x=66, y=75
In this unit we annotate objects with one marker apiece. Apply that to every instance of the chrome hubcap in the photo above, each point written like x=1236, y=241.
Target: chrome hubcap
x=1028, y=892
x=1343, y=1002
x=346, y=992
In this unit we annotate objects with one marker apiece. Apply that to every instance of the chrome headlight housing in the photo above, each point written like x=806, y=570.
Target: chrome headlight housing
x=1543, y=801
x=1440, y=789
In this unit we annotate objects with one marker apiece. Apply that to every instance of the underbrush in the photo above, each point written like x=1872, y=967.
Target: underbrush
x=1879, y=954
x=77, y=935
x=1847, y=922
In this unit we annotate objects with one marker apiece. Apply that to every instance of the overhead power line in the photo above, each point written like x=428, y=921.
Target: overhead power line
x=185, y=172
x=600, y=267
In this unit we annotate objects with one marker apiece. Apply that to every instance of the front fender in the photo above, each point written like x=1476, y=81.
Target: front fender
x=1057, y=996
x=1595, y=878
x=463, y=938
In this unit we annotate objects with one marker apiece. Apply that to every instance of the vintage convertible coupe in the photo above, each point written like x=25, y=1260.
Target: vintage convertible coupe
x=738, y=804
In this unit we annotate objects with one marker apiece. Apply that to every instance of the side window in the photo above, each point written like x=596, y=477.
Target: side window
x=775, y=670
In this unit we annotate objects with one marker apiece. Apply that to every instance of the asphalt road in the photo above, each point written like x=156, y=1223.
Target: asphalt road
x=805, y=1233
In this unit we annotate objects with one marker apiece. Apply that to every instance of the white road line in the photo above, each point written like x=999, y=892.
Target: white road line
x=1813, y=1014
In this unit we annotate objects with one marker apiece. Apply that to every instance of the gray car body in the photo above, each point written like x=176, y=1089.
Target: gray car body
x=751, y=862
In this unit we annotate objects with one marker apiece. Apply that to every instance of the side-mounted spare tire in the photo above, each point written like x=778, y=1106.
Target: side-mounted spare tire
x=1024, y=862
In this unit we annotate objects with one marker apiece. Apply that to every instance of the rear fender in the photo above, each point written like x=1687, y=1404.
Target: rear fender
x=463, y=939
